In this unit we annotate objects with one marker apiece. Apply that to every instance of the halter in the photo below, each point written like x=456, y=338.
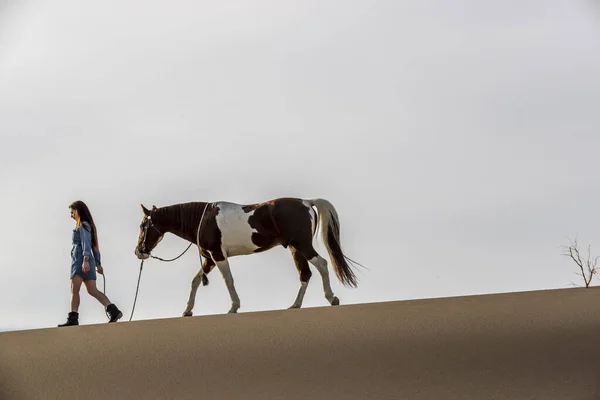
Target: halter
x=143, y=248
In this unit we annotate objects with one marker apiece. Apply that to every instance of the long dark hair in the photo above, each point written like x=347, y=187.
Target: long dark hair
x=86, y=216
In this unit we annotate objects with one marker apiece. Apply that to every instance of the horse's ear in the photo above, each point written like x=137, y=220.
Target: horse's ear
x=154, y=207
x=145, y=210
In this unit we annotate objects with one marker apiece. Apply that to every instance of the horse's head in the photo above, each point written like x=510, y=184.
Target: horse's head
x=150, y=234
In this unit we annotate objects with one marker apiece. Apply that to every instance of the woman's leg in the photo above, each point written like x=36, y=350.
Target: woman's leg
x=90, y=285
x=75, y=287
x=73, y=318
x=114, y=314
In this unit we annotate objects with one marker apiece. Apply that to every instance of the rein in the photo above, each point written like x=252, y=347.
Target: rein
x=172, y=259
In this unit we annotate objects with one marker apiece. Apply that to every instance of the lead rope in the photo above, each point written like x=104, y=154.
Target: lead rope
x=173, y=259
x=140, y=275
x=198, y=242
x=137, y=289
x=104, y=291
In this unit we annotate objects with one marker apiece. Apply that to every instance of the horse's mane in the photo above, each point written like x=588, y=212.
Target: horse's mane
x=184, y=216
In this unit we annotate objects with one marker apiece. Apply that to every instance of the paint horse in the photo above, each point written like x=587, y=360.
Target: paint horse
x=222, y=230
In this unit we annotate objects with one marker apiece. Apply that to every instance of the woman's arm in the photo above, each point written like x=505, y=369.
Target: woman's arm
x=86, y=242
x=97, y=256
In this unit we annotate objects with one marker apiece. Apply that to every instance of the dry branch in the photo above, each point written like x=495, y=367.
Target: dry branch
x=587, y=267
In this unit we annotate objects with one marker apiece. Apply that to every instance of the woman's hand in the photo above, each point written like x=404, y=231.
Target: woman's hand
x=86, y=266
x=100, y=269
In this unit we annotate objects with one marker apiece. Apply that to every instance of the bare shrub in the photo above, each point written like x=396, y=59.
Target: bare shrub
x=587, y=267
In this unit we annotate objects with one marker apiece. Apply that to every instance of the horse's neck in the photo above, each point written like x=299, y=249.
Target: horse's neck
x=185, y=224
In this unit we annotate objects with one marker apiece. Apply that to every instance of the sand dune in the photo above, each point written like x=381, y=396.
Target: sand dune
x=531, y=345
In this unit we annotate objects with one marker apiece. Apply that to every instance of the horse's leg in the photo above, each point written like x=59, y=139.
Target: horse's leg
x=321, y=265
x=192, y=298
x=223, y=266
x=305, y=274
x=294, y=223
x=207, y=266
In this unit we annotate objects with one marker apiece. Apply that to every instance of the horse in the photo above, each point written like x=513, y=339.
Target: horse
x=224, y=229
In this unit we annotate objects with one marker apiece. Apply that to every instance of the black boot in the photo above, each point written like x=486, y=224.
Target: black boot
x=72, y=319
x=113, y=313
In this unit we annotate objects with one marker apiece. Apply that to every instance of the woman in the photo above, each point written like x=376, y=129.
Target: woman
x=85, y=258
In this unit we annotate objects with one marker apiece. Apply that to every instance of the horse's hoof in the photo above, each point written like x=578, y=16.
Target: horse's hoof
x=187, y=314
x=293, y=306
x=232, y=311
x=335, y=301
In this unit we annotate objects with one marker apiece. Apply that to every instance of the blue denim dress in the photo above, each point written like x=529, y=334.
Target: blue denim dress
x=82, y=246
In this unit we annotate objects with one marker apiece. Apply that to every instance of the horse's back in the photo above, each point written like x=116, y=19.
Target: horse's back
x=248, y=228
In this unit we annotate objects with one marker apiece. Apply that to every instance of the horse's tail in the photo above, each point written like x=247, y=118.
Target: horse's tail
x=330, y=233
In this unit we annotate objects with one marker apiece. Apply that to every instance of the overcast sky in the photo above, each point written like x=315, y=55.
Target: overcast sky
x=459, y=142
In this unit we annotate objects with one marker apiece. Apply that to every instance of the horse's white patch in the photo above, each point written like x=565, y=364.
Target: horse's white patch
x=236, y=233
x=313, y=215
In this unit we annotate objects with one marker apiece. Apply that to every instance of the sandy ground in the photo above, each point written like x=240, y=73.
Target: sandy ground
x=532, y=345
